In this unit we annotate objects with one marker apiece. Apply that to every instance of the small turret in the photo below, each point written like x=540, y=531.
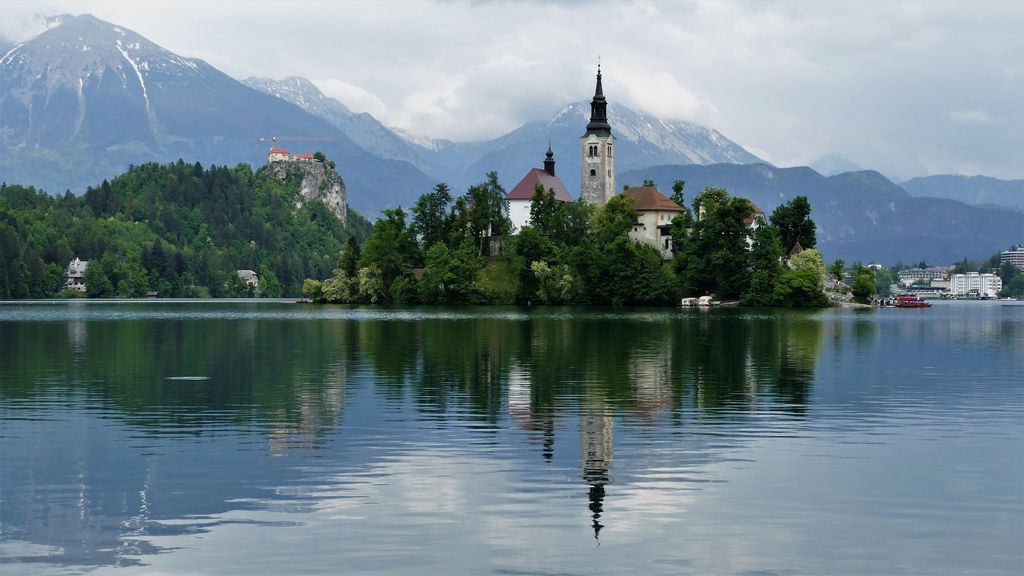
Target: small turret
x=549, y=161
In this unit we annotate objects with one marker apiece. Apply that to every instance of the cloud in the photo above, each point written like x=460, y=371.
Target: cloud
x=355, y=98
x=973, y=116
x=794, y=80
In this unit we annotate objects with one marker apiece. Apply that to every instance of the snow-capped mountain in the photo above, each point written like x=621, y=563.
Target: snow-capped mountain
x=643, y=140
x=303, y=94
x=85, y=99
x=361, y=127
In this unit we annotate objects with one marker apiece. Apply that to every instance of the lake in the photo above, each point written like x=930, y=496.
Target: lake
x=214, y=437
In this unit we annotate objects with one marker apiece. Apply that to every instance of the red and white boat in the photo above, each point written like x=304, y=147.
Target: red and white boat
x=911, y=302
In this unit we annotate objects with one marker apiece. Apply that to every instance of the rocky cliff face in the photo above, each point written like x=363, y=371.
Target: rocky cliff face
x=319, y=182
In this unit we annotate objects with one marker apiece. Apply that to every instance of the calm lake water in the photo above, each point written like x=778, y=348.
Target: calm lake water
x=272, y=438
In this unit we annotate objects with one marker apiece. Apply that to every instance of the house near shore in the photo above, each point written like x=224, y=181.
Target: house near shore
x=653, y=225
x=520, y=196
x=74, y=275
x=249, y=277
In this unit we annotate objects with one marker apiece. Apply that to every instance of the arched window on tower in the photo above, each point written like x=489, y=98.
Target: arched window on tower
x=593, y=172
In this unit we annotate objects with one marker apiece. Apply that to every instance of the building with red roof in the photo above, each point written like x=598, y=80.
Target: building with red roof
x=520, y=196
x=654, y=224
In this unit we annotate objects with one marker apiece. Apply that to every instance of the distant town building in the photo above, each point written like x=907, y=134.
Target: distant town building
x=975, y=284
x=521, y=195
x=911, y=275
x=654, y=224
x=74, y=275
x=282, y=155
x=598, y=150
x=1013, y=256
x=249, y=277
x=875, y=266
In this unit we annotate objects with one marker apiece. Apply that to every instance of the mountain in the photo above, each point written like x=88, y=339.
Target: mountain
x=832, y=164
x=861, y=216
x=86, y=99
x=360, y=127
x=642, y=140
x=977, y=190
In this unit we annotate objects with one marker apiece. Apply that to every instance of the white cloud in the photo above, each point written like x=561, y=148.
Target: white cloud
x=973, y=116
x=356, y=98
x=798, y=80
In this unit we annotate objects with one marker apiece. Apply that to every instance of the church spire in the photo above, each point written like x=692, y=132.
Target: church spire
x=599, y=110
x=549, y=161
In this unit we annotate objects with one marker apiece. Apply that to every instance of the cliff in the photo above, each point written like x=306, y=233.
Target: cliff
x=318, y=181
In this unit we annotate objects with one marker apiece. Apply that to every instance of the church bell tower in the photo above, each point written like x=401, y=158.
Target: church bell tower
x=598, y=148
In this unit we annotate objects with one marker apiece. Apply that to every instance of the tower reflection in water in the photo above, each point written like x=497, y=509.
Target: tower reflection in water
x=596, y=428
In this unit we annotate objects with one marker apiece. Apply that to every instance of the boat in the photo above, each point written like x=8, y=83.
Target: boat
x=303, y=301
x=911, y=302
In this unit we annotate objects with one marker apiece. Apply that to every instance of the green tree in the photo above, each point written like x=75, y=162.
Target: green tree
x=793, y=219
x=810, y=260
x=97, y=280
x=677, y=192
x=837, y=269
x=766, y=269
x=391, y=250
x=350, y=256
x=863, y=285
x=799, y=289
x=431, y=216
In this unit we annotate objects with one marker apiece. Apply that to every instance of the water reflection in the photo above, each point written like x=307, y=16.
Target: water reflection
x=120, y=435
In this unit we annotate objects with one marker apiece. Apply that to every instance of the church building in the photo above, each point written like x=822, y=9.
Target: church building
x=520, y=196
x=598, y=147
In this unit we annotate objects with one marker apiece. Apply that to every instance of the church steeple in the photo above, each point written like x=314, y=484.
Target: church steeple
x=599, y=111
x=549, y=161
x=597, y=181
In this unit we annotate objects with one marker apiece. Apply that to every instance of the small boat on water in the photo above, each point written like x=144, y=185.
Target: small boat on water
x=911, y=302
x=303, y=301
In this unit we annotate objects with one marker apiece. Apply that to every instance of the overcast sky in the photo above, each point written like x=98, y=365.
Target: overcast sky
x=907, y=88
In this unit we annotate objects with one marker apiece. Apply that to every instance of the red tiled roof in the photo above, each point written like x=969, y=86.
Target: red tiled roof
x=757, y=212
x=528, y=185
x=647, y=199
x=306, y=155
x=278, y=151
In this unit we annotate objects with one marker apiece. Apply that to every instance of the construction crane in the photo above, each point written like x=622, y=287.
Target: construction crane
x=274, y=139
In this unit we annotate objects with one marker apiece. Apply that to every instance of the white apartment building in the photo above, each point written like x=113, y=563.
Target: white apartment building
x=1014, y=256
x=975, y=284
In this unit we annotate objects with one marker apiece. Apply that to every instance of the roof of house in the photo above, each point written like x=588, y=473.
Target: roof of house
x=246, y=273
x=647, y=199
x=528, y=186
x=797, y=248
x=757, y=212
x=77, y=268
x=306, y=155
x=279, y=151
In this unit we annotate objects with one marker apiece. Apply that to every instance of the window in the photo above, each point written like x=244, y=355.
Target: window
x=593, y=172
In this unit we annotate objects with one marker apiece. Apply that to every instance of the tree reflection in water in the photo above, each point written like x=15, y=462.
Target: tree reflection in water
x=289, y=380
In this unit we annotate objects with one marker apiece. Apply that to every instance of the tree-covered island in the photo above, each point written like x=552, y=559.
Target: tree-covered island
x=461, y=250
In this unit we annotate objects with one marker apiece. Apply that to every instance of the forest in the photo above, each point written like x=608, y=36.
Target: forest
x=179, y=229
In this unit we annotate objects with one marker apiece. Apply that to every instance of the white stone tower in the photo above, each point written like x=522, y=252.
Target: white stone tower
x=598, y=147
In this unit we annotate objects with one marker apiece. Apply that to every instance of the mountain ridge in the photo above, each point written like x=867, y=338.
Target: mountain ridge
x=861, y=216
